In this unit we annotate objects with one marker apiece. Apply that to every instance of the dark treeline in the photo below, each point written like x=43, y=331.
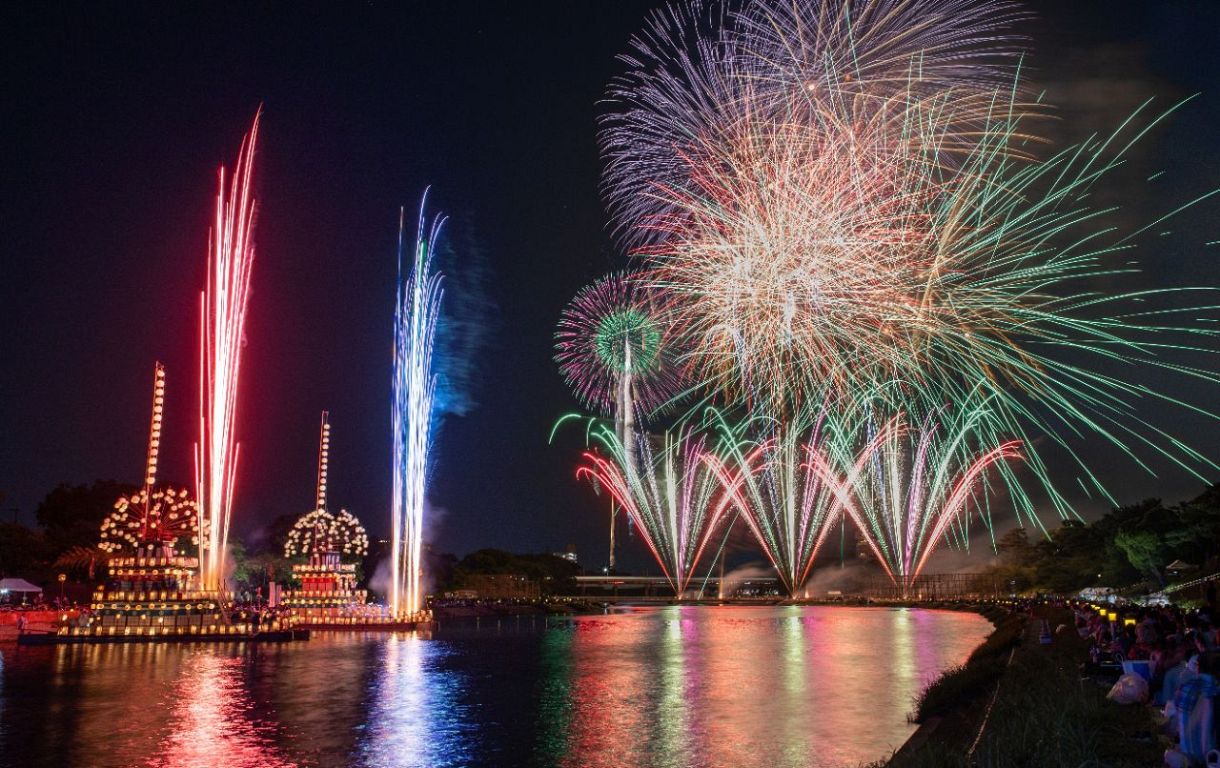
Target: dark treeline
x=1128, y=547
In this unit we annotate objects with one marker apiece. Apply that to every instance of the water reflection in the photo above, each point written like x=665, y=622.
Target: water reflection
x=675, y=735
x=417, y=717
x=555, y=696
x=213, y=716
x=788, y=686
x=672, y=687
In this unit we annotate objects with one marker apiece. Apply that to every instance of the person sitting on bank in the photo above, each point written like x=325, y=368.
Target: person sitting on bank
x=1194, y=716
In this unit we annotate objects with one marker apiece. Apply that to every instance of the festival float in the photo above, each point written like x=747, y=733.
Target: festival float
x=153, y=592
x=326, y=595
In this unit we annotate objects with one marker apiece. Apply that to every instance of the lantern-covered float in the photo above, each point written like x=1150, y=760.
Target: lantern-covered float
x=151, y=543
x=325, y=594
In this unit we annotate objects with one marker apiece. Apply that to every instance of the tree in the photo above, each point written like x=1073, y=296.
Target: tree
x=1145, y=551
x=84, y=563
x=1018, y=558
x=552, y=572
x=1015, y=548
x=71, y=515
x=23, y=552
x=271, y=537
x=1195, y=537
x=252, y=570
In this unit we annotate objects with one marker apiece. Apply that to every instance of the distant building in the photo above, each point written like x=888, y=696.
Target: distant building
x=570, y=555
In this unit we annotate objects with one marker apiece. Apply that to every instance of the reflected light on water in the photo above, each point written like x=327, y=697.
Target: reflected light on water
x=674, y=687
x=675, y=731
x=212, y=721
x=790, y=687
x=555, y=695
x=610, y=691
x=417, y=717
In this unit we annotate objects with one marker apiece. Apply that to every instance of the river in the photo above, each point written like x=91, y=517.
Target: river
x=677, y=687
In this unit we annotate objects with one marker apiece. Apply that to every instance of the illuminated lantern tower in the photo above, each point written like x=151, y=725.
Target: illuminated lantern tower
x=327, y=594
x=153, y=589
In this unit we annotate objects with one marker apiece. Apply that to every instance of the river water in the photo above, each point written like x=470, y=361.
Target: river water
x=774, y=687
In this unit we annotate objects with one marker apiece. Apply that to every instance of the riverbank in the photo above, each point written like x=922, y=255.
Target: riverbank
x=1019, y=702
x=470, y=609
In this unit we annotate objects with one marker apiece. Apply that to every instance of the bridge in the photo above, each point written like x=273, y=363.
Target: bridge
x=926, y=587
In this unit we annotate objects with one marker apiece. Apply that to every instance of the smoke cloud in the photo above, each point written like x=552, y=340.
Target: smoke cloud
x=733, y=580
x=467, y=312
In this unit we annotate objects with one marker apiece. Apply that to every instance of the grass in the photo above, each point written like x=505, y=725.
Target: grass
x=1045, y=715
x=973, y=680
x=958, y=687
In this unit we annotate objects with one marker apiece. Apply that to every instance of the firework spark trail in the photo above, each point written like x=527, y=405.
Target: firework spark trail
x=867, y=57
x=674, y=497
x=612, y=348
x=416, y=313
x=918, y=484
x=791, y=486
x=223, y=306
x=842, y=198
x=838, y=244
x=904, y=491
x=780, y=268
x=697, y=80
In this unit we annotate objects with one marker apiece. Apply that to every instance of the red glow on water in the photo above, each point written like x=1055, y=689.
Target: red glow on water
x=211, y=721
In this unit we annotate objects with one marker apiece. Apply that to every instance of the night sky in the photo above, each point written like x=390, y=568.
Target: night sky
x=116, y=116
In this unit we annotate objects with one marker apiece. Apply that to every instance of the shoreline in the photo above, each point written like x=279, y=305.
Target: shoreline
x=1020, y=700
x=925, y=732
x=587, y=606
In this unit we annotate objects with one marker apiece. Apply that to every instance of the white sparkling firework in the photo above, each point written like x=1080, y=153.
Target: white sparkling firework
x=416, y=313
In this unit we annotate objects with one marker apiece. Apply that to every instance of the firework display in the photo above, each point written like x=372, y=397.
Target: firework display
x=704, y=78
x=223, y=306
x=673, y=495
x=849, y=222
x=612, y=349
x=917, y=483
x=787, y=485
x=416, y=314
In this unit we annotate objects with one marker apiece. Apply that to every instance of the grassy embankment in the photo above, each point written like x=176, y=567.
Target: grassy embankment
x=1042, y=714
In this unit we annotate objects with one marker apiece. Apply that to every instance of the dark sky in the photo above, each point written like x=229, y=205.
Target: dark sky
x=116, y=116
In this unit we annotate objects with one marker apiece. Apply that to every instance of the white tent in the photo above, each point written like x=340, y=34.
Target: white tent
x=17, y=585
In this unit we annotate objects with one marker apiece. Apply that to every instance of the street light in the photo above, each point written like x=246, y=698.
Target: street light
x=62, y=578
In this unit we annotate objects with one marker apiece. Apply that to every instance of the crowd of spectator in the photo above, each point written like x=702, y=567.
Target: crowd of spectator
x=1175, y=653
